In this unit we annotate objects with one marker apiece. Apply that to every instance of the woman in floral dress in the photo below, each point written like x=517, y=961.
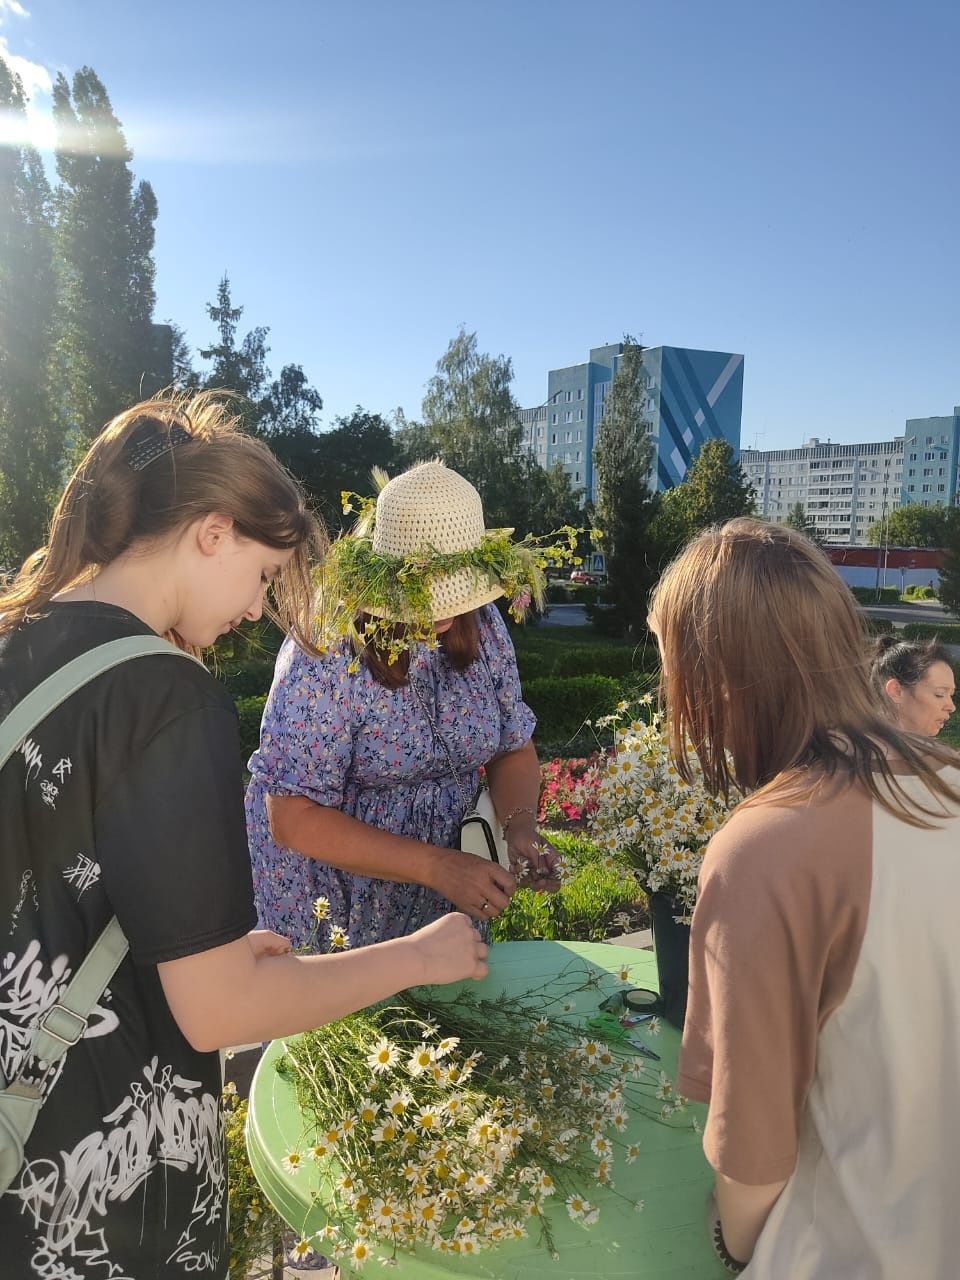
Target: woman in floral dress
x=370, y=755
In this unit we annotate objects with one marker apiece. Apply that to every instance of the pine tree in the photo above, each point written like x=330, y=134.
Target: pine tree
x=280, y=410
x=626, y=505
x=798, y=519
x=105, y=235
x=31, y=430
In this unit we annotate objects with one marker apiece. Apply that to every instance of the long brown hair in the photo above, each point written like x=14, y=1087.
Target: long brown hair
x=108, y=506
x=461, y=644
x=766, y=674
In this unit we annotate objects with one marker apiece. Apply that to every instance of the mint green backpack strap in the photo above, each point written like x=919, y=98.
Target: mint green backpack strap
x=65, y=1022
x=50, y=693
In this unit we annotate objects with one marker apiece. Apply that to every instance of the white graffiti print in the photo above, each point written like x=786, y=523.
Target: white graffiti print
x=27, y=883
x=165, y=1121
x=31, y=754
x=84, y=873
x=29, y=986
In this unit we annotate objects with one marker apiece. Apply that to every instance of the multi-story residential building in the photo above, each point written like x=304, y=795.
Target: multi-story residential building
x=845, y=488
x=691, y=396
x=931, y=459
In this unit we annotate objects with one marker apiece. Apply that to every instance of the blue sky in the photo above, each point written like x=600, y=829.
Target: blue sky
x=779, y=180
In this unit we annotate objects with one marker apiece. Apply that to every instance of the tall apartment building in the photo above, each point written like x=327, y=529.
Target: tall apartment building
x=691, y=396
x=845, y=488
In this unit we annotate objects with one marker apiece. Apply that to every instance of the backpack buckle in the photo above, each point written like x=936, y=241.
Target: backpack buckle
x=71, y=1026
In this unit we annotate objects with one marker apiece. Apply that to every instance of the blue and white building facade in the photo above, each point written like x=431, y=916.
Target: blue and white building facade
x=692, y=396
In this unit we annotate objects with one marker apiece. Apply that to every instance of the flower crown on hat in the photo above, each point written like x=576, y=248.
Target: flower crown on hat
x=389, y=601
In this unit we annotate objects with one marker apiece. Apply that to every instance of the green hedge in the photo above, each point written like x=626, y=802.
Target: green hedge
x=600, y=660
x=946, y=634
x=878, y=626
x=562, y=705
x=916, y=591
x=534, y=666
x=250, y=712
x=246, y=679
x=868, y=595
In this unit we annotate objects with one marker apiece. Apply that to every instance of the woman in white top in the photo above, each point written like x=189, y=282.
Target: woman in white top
x=822, y=1021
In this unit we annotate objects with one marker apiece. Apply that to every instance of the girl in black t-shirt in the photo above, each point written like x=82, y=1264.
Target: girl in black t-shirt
x=128, y=801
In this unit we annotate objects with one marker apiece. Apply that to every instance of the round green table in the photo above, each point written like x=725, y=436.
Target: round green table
x=665, y=1241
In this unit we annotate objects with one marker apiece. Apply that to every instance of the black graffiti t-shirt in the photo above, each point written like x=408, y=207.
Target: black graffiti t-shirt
x=125, y=801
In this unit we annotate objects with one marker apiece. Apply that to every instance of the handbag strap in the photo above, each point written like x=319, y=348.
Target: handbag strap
x=468, y=805
x=65, y=1022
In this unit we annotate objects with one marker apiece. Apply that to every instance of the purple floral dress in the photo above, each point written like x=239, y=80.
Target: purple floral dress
x=346, y=742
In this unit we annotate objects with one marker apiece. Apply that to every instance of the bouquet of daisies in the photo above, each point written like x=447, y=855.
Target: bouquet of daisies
x=646, y=813
x=452, y=1125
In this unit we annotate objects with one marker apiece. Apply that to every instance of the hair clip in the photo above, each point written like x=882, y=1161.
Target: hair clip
x=157, y=445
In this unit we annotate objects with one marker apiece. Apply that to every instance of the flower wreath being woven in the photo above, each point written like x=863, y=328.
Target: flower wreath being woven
x=419, y=553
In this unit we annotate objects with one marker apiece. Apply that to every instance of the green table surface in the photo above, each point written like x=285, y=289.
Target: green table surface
x=667, y=1239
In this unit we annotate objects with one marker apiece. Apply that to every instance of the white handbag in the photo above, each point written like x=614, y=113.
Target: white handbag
x=480, y=832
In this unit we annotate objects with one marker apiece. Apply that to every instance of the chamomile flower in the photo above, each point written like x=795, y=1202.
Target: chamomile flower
x=653, y=1026
x=382, y=1056
x=577, y=1206
x=302, y=1249
x=446, y=1045
x=321, y=908
x=633, y=1151
x=421, y=1060
x=292, y=1162
x=397, y=1103
x=360, y=1253
x=339, y=939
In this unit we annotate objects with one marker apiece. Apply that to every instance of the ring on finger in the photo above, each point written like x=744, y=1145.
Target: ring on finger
x=484, y=905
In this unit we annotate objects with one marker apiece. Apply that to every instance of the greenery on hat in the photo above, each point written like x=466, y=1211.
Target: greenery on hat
x=390, y=595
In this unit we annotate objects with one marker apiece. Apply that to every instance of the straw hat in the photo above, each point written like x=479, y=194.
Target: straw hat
x=433, y=509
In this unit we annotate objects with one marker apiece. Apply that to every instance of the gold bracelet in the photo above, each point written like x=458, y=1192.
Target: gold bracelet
x=515, y=813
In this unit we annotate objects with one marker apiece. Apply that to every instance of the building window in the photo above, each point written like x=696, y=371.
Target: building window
x=568, y=416
x=553, y=419
x=539, y=433
x=577, y=476
x=941, y=488
x=567, y=436
x=926, y=488
x=569, y=396
x=578, y=458
x=553, y=438
x=579, y=415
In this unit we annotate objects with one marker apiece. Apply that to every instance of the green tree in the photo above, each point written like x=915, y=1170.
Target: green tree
x=472, y=421
x=328, y=462
x=284, y=409
x=31, y=428
x=950, y=573
x=626, y=505
x=911, y=526
x=714, y=490
x=547, y=499
x=798, y=519
x=109, y=353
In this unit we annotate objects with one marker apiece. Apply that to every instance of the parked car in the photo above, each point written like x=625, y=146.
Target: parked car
x=586, y=578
